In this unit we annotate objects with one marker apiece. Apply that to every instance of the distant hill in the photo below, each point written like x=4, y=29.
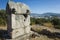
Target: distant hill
x=45, y=14
x=51, y=14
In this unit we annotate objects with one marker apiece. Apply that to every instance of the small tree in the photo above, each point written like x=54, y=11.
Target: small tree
x=56, y=22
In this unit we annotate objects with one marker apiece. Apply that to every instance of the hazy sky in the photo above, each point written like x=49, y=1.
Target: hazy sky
x=37, y=6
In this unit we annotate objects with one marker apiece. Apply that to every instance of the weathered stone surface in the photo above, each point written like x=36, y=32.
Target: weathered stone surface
x=27, y=29
x=18, y=20
x=17, y=23
x=17, y=32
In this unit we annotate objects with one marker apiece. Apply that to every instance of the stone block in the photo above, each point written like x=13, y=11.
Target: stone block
x=17, y=21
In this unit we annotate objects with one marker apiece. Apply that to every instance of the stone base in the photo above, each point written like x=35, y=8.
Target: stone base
x=23, y=37
x=16, y=32
x=19, y=32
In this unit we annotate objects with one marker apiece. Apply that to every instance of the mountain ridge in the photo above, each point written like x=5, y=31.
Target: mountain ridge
x=45, y=14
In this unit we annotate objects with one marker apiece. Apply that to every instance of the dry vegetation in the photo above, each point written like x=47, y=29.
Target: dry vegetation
x=3, y=27
x=38, y=28
x=48, y=25
x=44, y=38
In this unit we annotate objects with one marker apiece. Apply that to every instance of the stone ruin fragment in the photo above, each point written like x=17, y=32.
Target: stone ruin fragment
x=18, y=19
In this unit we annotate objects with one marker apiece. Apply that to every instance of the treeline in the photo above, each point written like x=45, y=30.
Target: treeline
x=55, y=21
x=3, y=17
x=39, y=21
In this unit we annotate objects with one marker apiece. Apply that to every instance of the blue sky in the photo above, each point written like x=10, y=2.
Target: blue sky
x=37, y=6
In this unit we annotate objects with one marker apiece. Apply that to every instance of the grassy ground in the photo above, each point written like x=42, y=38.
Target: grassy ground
x=38, y=28
x=48, y=25
x=44, y=38
x=3, y=27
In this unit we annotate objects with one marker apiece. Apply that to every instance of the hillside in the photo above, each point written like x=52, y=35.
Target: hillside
x=45, y=14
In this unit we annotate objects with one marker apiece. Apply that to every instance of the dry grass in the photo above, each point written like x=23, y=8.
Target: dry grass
x=3, y=27
x=48, y=25
x=43, y=37
x=39, y=28
x=36, y=28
